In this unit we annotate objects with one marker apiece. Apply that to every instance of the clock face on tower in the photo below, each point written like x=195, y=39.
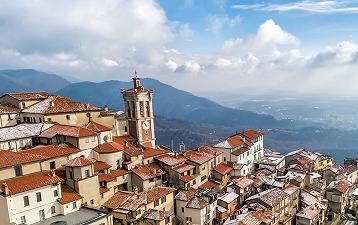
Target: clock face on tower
x=145, y=125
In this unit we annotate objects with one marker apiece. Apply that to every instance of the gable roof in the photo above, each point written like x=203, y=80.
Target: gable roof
x=66, y=130
x=186, y=195
x=23, y=130
x=6, y=109
x=149, y=171
x=170, y=160
x=53, y=151
x=223, y=168
x=26, y=96
x=68, y=195
x=10, y=158
x=97, y=127
x=118, y=199
x=79, y=161
x=200, y=155
x=28, y=182
x=151, y=152
x=58, y=104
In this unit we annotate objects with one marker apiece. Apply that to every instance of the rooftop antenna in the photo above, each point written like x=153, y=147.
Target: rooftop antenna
x=135, y=74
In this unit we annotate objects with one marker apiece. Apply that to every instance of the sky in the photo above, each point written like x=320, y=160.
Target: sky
x=258, y=48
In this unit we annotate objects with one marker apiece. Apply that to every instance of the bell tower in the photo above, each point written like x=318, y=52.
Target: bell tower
x=139, y=112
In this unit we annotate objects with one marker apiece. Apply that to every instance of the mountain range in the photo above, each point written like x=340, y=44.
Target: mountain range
x=184, y=117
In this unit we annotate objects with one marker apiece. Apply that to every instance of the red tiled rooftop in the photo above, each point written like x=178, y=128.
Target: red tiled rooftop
x=26, y=96
x=65, y=130
x=200, y=155
x=186, y=178
x=183, y=168
x=151, y=152
x=103, y=190
x=53, y=151
x=10, y=158
x=208, y=185
x=98, y=166
x=28, y=182
x=97, y=127
x=240, y=151
x=109, y=147
x=186, y=195
x=79, y=161
x=223, y=168
x=8, y=109
x=105, y=177
x=149, y=171
x=68, y=195
x=253, y=134
x=58, y=104
x=118, y=199
x=170, y=160
x=123, y=139
x=119, y=172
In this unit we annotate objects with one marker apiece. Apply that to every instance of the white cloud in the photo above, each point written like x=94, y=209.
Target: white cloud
x=217, y=22
x=189, y=67
x=268, y=34
x=171, y=65
x=329, y=6
x=186, y=32
x=109, y=63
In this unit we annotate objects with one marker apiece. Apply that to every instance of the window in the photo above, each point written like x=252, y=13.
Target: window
x=49, y=119
x=70, y=174
x=194, y=182
x=23, y=105
x=188, y=219
x=125, y=129
x=42, y=214
x=151, y=180
x=182, y=209
x=68, y=117
x=87, y=173
x=21, y=143
x=87, y=140
x=38, y=197
x=53, y=210
x=141, y=109
x=164, y=199
x=55, y=193
x=9, y=116
x=93, y=139
x=23, y=219
x=92, y=202
x=203, y=177
x=156, y=203
x=10, y=145
x=74, y=205
x=52, y=165
x=138, y=212
x=147, y=106
x=26, y=201
x=18, y=170
x=203, y=168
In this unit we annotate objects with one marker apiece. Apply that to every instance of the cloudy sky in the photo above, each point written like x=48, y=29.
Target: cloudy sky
x=217, y=46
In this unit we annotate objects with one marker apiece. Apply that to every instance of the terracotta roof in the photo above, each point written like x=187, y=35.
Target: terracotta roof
x=271, y=197
x=240, y=151
x=123, y=139
x=65, y=130
x=79, y=161
x=132, y=151
x=118, y=172
x=23, y=130
x=243, y=182
x=235, y=141
x=68, y=195
x=200, y=155
x=223, y=168
x=157, y=215
x=170, y=160
x=310, y=212
x=146, y=197
x=208, y=185
x=59, y=104
x=97, y=127
x=109, y=147
x=151, y=152
x=149, y=171
x=197, y=203
x=98, y=166
x=183, y=168
x=186, y=178
x=252, y=134
x=10, y=158
x=105, y=177
x=25, y=183
x=26, y=96
x=5, y=109
x=186, y=195
x=340, y=186
x=118, y=199
x=53, y=151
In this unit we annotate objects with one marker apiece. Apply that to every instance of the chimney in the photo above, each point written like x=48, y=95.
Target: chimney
x=86, y=105
x=5, y=189
x=106, y=108
x=52, y=103
x=52, y=172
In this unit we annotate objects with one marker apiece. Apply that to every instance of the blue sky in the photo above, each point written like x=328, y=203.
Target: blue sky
x=213, y=46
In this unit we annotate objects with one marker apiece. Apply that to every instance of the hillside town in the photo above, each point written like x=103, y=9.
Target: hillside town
x=66, y=162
